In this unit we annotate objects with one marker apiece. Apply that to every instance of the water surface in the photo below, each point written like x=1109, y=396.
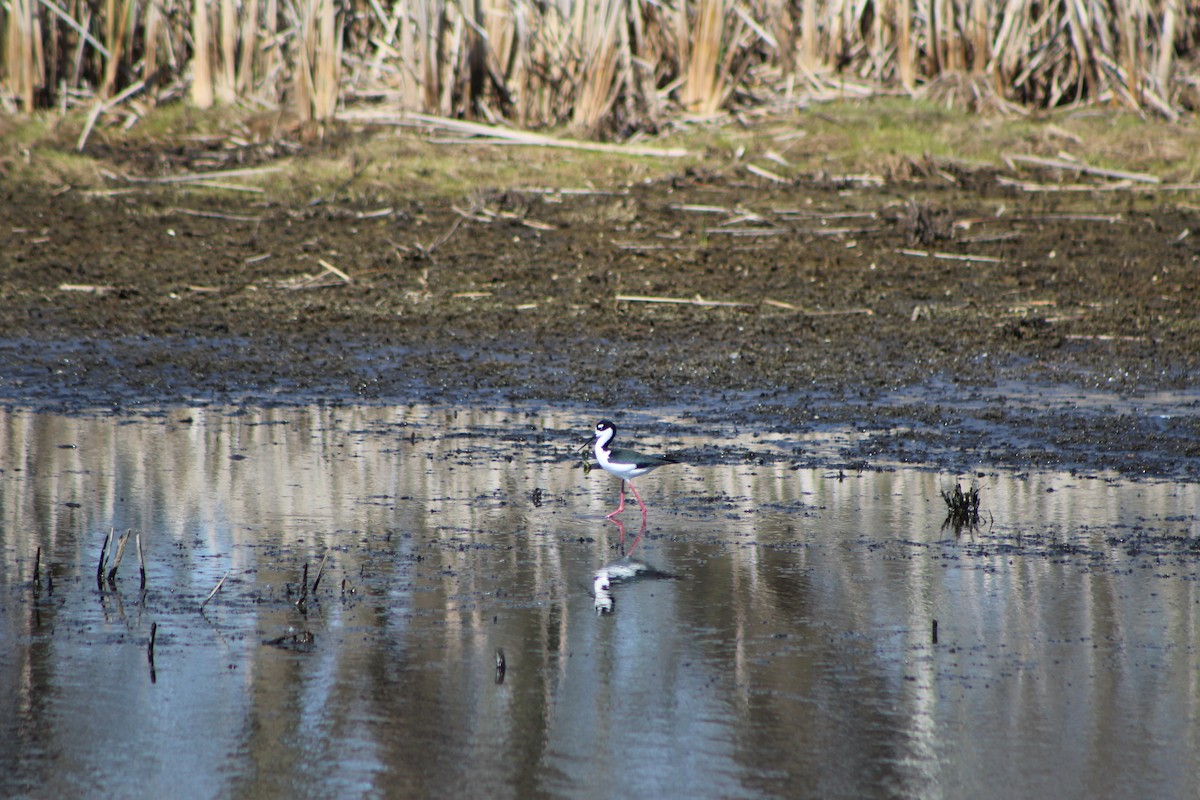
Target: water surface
x=786, y=647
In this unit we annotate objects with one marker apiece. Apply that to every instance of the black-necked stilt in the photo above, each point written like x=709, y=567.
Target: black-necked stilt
x=625, y=464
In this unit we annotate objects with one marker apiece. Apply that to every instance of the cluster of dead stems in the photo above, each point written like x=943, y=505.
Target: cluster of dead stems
x=605, y=67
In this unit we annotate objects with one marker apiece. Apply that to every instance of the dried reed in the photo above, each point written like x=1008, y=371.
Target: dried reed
x=604, y=66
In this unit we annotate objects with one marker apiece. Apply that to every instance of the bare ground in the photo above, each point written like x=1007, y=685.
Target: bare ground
x=966, y=325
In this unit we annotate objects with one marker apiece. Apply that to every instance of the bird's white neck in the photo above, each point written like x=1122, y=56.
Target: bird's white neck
x=602, y=448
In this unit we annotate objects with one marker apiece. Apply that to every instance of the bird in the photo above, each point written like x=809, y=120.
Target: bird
x=625, y=464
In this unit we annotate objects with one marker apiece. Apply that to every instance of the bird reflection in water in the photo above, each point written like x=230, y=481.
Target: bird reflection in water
x=625, y=569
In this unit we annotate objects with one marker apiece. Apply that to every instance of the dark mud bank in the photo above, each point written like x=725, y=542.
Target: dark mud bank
x=967, y=328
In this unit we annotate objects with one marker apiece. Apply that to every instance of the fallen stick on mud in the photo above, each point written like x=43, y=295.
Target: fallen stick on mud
x=191, y=212
x=748, y=231
x=1030, y=186
x=763, y=173
x=472, y=216
x=694, y=301
x=234, y=187
x=648, y=246
x=576, y=192
x=441, y=240
x=104, y=105
x=1104, y=337
x=823, y=215
x=1115, y=186
x=832, y=231
x=824, y=313
x=509, y=136
x=321, y=279
x=695, y=209
x=950, y=256
x=90, y=288
x=216, y=589
x=193, y=177
x=1086, y=169
x=331, y=268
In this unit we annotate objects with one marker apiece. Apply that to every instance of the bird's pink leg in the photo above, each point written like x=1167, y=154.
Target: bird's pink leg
x=621, y=507
x=639, y=498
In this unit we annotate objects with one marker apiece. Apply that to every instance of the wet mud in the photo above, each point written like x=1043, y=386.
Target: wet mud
x=946, y=318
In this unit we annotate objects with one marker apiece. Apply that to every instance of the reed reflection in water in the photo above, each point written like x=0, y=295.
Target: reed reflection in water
x=785, y=649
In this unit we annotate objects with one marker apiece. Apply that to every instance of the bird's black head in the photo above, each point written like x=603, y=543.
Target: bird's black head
x=603, y=432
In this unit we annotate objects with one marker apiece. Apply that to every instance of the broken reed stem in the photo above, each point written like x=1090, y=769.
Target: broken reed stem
x=216, y=589
x=687, y=301
x=103, y=558
x=124, y=540
x=141, y=563
x=320, y=571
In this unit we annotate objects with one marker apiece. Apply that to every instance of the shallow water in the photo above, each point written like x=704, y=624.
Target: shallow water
x=787, y=651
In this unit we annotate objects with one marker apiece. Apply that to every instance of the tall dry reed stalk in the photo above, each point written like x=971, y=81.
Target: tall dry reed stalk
x=202, y=72
x=21, y=45
x=600, y=65
x=318, y=71
x=598, y=30
x=703, y=88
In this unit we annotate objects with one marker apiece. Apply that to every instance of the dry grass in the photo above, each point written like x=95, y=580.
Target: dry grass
x=603, y=66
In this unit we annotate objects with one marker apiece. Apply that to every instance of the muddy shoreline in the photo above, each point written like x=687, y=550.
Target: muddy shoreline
x=961, y=324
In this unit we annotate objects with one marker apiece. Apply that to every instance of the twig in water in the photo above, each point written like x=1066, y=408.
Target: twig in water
x=103, y=558
x=141, y=563
x=150, y=651
x=216, y=589
x=302, y=600
x=112, y=572
x=320, y=570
